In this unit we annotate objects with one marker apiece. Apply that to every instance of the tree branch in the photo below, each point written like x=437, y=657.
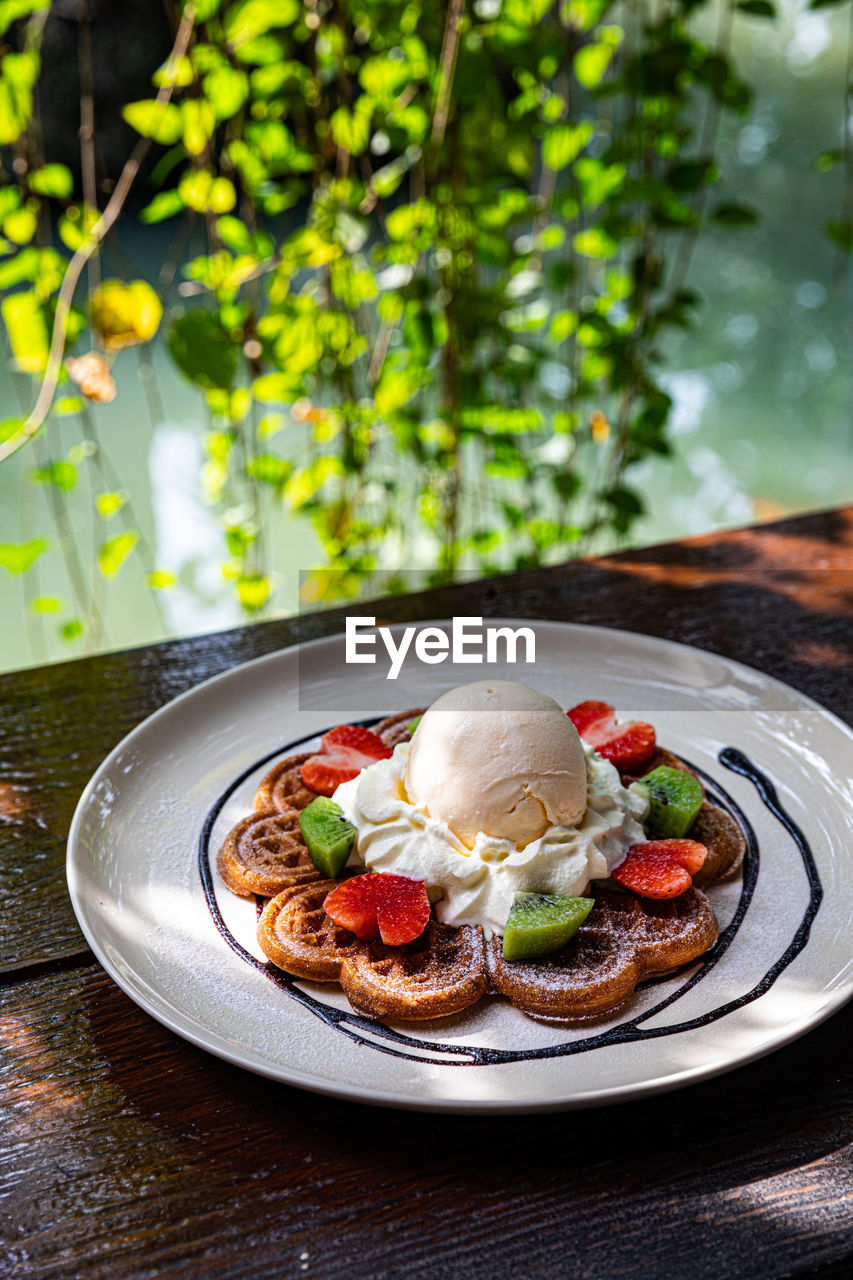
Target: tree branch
x=75, y=267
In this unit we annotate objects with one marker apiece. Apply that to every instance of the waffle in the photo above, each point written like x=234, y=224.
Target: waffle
x=623, y=940
x=283, y=788
x=265, y=853
x=723, y=839
x=297, y=935
x=441, y=973
x=394, y=729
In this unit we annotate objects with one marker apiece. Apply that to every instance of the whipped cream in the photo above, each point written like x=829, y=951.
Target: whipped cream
x=479, y=883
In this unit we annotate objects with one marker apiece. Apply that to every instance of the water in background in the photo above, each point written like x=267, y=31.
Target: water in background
x=763, y=387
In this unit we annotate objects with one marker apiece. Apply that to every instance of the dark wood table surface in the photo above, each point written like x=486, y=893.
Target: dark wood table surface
x=127, y=1152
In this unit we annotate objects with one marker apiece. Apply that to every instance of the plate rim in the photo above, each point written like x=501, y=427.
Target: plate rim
x=213, y=1042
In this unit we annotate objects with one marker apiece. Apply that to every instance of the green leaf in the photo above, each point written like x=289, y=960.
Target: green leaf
x=46, y=604
x=202, y=350
x=235, y=234
x=61, y=474
x=20, y=226
x=626, y=506
x=203, y=192
x=595, y=242
x=306, y=482
x=395, y=388
x=23, y=266
x=71, y=631
x=591, y=63
x=351, y=129
x=66, y=405
x=253, y=591
x=26, y=324
x=498, y=419
x=735, y=215
x=52, y=180
x=19, y=74
x=563, y=325
x=269, y=469
x=757, y=8
x=253, y=18
x=12, y=10
x=75, y=225
x=161, y=579
x=164, y=205
x=841, y=233
x=199, y=121
x=107, y=504
x=18, y=556
x=227, y=89
x=113, y=553
x=161, y=121
x=564, y=141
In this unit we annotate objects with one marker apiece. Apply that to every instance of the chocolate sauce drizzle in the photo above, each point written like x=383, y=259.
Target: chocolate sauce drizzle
x=376, y=1035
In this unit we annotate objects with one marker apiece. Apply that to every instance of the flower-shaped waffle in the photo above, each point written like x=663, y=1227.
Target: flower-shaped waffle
x=265, y=853
x=625, y=940
x=298, y=936
x=441, y=973
x=283, y=788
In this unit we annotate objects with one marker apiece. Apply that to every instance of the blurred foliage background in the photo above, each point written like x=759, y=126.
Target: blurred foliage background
x=389, y=285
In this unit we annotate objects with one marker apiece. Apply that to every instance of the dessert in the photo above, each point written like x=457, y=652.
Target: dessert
x=493, y=843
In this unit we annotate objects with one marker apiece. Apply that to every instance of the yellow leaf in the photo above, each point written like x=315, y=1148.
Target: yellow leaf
x=124, y=315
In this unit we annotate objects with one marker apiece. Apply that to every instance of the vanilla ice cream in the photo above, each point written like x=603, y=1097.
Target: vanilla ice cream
x=497, y=757
x=584, y=820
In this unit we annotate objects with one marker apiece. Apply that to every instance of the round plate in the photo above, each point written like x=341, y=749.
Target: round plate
x=141, y=872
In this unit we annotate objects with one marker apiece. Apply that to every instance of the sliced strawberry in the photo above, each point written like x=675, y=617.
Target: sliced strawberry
x=652, y=875
x=689, y=854
x=628, y=746
x=587, y=714
x=322, y=775
x=660, y=868
x=395, y=907
x=357, y=739
x=344, y=752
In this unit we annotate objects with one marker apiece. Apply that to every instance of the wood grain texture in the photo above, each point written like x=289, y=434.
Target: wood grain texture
x=127, y=1152
x=779, y=597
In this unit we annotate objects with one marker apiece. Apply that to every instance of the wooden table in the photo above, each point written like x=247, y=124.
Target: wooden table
x=128, y=1153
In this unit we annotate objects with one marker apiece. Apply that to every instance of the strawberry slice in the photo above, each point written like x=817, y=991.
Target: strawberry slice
x=660, y=868
x=344, y=752
x=587, y=714
x=628, y=746
x=395, y=907
x=689, y=854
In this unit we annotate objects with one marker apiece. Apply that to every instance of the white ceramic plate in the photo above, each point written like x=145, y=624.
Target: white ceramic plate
x=179, y=781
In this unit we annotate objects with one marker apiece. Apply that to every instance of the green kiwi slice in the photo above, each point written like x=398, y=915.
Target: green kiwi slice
x=328, y=835
x=539, y=923
x=675, y=798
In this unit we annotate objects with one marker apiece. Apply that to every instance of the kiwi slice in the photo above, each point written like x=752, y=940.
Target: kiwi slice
x=411, y=725
x=539, y=923
x=675, y=798
x=328, y=835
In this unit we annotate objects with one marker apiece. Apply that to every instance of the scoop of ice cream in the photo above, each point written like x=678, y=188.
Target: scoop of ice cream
x=497, y=757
